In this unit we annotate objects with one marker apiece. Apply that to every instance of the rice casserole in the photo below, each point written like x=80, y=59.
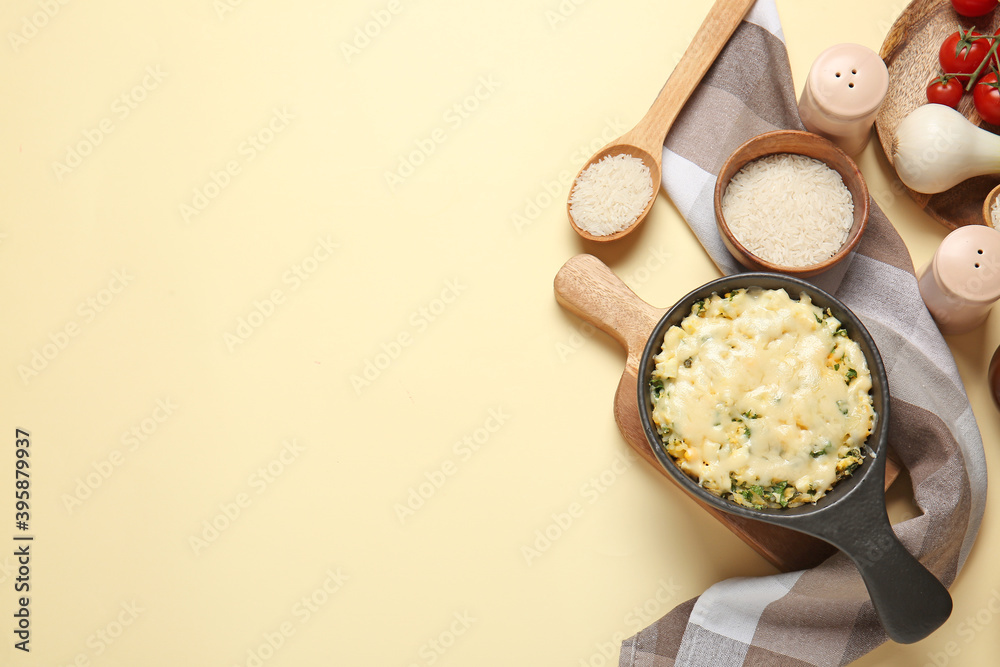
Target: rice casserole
x=762, y=399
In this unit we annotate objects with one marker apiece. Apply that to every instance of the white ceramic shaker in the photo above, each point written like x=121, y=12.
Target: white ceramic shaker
x=842, y=95
x=962, y=280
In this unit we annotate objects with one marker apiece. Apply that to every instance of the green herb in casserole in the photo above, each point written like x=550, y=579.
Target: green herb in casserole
x=762, y=399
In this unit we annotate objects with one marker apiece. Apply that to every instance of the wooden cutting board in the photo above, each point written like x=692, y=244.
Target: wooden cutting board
x=589, y=289
x=910, y=52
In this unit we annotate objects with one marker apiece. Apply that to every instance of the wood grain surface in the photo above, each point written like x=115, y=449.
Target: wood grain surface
x=588, y=288
x=910, y=51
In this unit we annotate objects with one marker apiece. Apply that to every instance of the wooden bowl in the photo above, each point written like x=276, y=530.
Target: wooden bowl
x=988, y=206
x=801, y=143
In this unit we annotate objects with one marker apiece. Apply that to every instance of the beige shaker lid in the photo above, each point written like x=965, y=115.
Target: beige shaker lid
x=967, y=264
x=848, y=81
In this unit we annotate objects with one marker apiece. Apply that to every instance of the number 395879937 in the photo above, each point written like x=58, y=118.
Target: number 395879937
x=22, y=480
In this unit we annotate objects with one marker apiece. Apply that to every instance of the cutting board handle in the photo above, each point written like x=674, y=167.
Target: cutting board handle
x=586, y=287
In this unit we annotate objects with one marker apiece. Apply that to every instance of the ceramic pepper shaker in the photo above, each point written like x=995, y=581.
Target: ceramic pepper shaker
x=842, y=95
x=962, y=280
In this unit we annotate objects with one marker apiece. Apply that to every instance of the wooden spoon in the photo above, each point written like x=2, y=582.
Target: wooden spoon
x=645, y=140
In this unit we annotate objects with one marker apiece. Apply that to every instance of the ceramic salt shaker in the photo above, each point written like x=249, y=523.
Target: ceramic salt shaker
x=962, y=280
x=842, y=95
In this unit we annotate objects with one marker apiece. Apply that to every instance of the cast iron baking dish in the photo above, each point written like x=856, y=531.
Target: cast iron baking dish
x=909, y=600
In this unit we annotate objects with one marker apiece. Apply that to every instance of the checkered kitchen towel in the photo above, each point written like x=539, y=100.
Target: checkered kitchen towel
x=820, y=616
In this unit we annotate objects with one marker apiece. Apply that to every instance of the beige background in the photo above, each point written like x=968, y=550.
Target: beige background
x=191, y=328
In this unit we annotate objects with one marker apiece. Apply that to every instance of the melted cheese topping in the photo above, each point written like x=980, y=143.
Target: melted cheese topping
x=762, y=399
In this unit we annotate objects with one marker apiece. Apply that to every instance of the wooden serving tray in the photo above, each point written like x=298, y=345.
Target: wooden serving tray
x=910, y=51
x=589, y=289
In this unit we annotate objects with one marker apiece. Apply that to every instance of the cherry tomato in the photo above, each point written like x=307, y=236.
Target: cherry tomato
x=962, y=52
x=986, y=95
x=973, y=7
x=946, y=90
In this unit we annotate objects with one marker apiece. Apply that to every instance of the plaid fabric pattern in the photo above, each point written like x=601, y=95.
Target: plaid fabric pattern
x=820, y=616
